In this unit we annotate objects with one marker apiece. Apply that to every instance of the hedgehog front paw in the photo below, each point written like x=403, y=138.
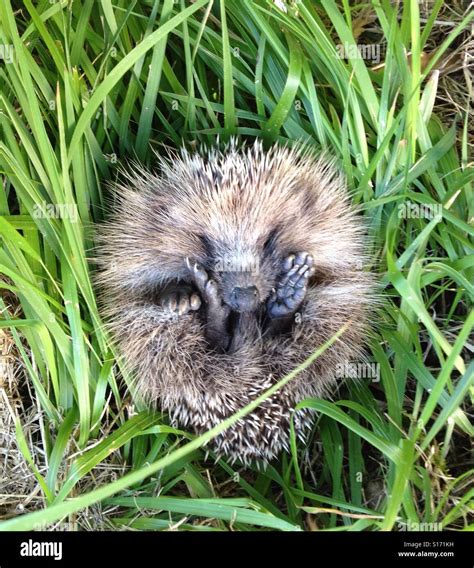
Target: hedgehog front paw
x=217, y=312
x=206, y=286
x=181, y=300
x=290, y=290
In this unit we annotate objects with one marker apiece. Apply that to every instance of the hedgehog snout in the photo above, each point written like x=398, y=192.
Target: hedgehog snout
x=244, y=299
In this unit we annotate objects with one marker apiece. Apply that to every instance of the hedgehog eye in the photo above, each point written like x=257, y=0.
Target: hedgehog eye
x=270, y=243
x=207, y=245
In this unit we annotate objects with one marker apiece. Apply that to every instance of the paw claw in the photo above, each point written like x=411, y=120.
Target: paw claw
x=198, y=274
x=188, y=263
x=288, y=262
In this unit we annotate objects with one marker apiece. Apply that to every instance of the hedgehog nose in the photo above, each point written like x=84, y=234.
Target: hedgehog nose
x=244, y=299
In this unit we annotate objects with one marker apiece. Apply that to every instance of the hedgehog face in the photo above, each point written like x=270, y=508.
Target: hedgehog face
x=245, y=271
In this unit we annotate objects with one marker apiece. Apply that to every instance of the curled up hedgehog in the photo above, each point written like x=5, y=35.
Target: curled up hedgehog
x=223, y=273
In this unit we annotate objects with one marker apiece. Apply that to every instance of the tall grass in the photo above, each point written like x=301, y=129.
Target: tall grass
x=93, y=83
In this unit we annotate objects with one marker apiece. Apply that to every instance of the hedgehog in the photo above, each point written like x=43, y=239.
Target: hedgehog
x=224, y=270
